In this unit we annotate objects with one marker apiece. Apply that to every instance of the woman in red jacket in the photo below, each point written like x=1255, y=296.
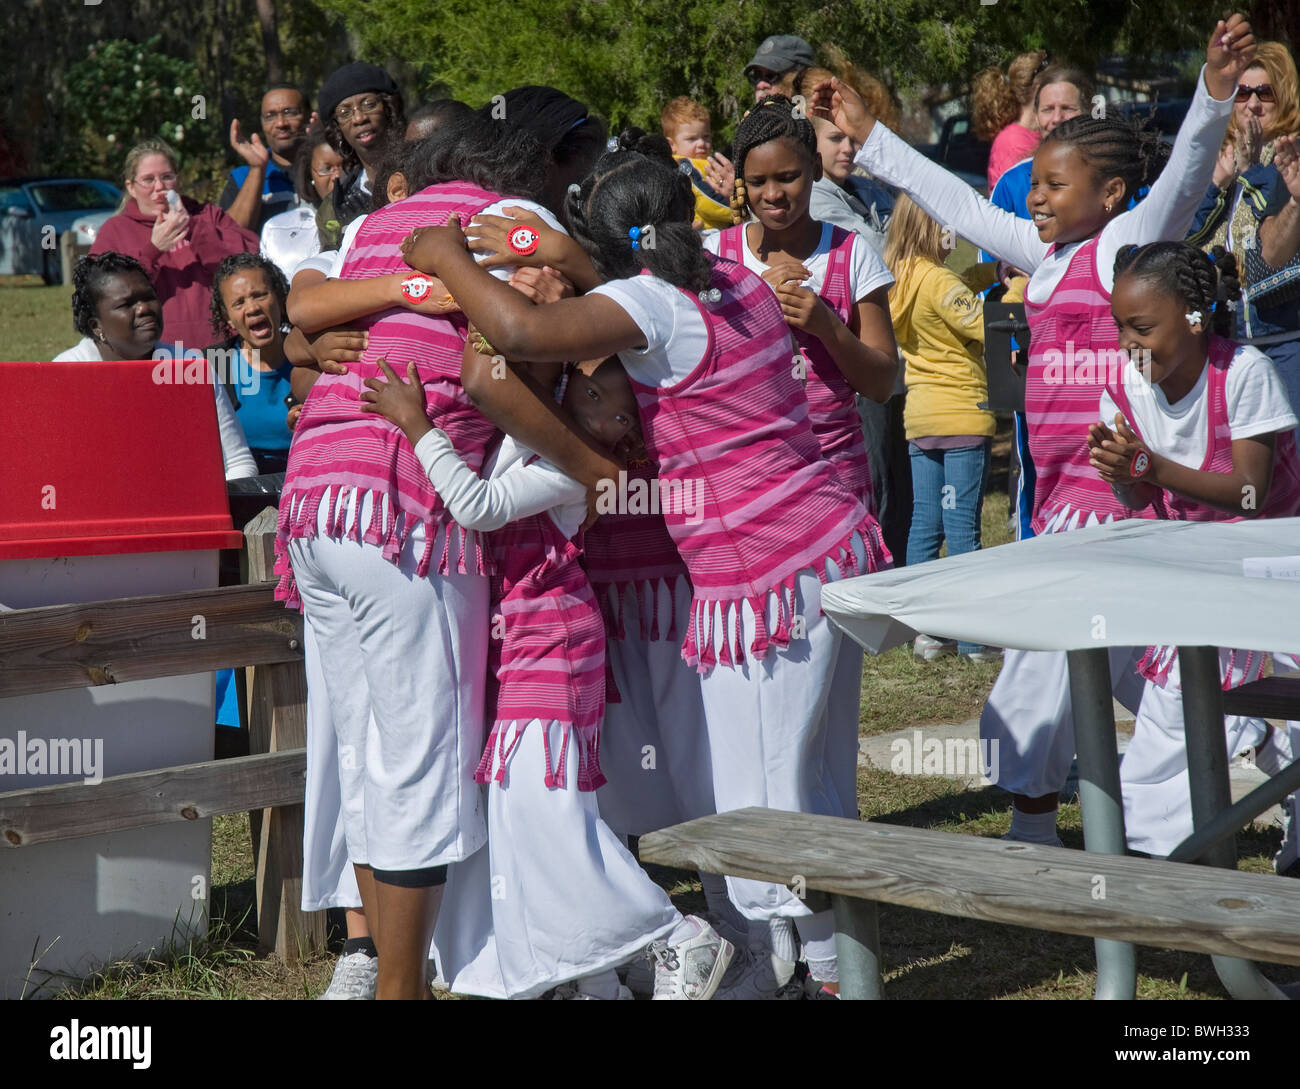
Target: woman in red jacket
x=179, y=241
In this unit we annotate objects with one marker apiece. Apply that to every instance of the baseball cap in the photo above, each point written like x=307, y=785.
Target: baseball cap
x=781, y=52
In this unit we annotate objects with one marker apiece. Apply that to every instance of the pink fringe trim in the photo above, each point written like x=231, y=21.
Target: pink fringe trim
x=390, y=533
x=589, y=778
x=706, y=657
x=1157, y=663
x=613, y=607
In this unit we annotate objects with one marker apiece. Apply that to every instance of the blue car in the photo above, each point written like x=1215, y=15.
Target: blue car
x=34, y=213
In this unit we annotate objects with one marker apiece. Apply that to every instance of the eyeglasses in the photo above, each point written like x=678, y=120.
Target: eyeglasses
x=167, y=180
x=343, y=114
x=327, y=171
x=289, y=113
x=762, y=75
x=1264, y=91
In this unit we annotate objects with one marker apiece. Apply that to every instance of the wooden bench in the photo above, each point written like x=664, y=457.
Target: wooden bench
x=1151, y=902
x=1271, y=697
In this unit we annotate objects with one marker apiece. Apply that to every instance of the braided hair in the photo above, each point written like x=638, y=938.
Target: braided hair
x=772, y=119
x=245, y=262
x=1205, y=282
x=1113, y=148
x=637, y=189
x=88, y=279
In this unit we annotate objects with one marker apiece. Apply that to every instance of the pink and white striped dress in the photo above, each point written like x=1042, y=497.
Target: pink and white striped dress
x=737, y=432
x=831, y=400
x=1283, y=499
x=1073, y=353
x=337, y=449
x=546, y=653
x=634, y=553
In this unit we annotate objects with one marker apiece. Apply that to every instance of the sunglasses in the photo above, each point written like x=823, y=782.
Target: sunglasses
x=1264, y=91
x=762, y=75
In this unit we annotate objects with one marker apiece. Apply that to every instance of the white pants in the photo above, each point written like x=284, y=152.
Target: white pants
x=328, y=879
x=402, y=662
x=778, y=725
x=556, y=897
x=1153, y=773
x=654, y=744
x=1029, y=717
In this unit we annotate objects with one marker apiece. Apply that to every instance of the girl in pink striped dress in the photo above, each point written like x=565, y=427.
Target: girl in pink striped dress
x=760, y=517
x=566, y=901
x=1200, y=429
x=396, y=592
x=833, y=287
x=1085, y=174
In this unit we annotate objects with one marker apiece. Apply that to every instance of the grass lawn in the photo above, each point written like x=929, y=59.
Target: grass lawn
x=37, y=320
x=927, y=955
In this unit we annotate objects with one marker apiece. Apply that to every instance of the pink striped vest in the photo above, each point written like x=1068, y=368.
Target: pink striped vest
x=337, y=448
x=1283, y=500
x=735, y=435
x=832, y=406
x=1073, y=353
x=635, y=552
x=546, y=651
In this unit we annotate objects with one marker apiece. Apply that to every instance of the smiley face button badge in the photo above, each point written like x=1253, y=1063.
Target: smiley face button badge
x=523, y=241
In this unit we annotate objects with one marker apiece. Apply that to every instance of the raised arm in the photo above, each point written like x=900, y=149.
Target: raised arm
x=1169, y=208
x=942, y=195
x=1279, y=234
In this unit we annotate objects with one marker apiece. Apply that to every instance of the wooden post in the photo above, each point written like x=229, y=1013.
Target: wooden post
x=278, y=721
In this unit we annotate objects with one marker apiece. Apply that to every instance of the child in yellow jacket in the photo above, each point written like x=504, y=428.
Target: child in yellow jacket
x=689, y=132
x=939, y=325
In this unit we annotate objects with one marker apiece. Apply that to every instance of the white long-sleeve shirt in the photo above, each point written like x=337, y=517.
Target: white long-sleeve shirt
x=236, y=458
x=1165, y=213
x=512, y=488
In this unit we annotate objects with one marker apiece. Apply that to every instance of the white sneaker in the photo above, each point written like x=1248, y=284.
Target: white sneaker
x=928, y=649
x=692, y=969
x=568, y=992
x=1287, y=860
x=355, y=978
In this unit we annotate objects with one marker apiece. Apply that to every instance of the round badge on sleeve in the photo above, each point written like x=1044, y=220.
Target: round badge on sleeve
x=1141, y=463
x=416, y=288
x=523, y=241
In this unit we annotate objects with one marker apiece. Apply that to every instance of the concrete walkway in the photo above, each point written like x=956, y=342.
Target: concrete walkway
x=958, y=757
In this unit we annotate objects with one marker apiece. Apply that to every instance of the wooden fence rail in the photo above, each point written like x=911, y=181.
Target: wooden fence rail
x=143, y=638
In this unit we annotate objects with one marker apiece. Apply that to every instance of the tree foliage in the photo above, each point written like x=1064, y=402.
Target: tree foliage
x=626, y=58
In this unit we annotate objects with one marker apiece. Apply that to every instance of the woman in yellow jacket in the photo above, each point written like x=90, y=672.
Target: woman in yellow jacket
x=939, y=324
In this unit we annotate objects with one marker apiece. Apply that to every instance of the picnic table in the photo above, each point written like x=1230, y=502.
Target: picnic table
x=1197, y=586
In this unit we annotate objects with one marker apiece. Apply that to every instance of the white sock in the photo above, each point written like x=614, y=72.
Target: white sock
x=774, y=935
x=602, y=985
x=1034, y=827
x=817, y=931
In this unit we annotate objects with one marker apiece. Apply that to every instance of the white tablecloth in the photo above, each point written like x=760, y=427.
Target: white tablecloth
x=1129, y=583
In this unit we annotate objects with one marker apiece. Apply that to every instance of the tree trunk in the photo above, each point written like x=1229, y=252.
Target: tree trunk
x=271, y=41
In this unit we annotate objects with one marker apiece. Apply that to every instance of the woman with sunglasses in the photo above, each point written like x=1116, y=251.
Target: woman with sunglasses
x=363, y=113
x=1246, y=190
x=178, y=241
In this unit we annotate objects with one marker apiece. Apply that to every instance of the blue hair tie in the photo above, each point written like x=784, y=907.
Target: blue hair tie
x=635, y=233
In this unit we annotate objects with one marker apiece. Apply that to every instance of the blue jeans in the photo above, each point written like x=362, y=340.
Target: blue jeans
x=947, y=499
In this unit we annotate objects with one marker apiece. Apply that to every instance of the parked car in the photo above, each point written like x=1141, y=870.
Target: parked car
x=961, y=152
x=28, y=206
